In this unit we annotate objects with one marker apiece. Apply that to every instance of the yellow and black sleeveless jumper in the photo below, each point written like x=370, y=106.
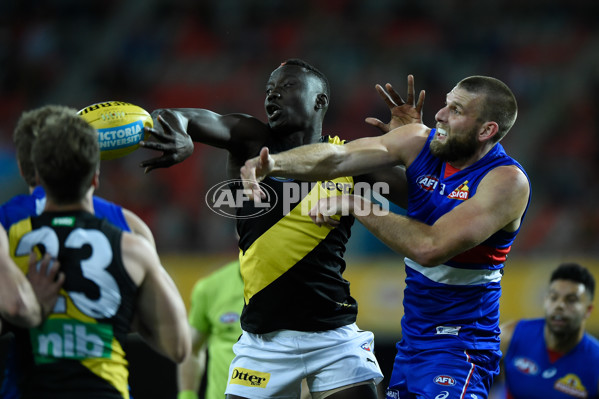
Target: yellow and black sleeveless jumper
x=78, y=350
x=292, y=269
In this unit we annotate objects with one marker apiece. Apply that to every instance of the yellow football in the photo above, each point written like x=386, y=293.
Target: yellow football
x=120, y=126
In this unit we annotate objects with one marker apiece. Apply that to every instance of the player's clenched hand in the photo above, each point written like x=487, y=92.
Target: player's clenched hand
x=328, y=210
x=171, y=138
x=254, y=171
x=402, y=112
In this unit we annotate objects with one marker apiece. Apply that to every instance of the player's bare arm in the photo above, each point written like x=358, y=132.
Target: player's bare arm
x=25, y=302
x=138, y=226
x=177, y=129
x=507, y=331
x=466, y=226
x=162, y=315
x=191, y=371
x=327, y=161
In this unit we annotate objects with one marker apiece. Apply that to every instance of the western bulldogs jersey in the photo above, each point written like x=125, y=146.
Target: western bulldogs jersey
x=454, y=305
x=531, y=374
x=291, y=268
x=78, y=350
x=27, y=205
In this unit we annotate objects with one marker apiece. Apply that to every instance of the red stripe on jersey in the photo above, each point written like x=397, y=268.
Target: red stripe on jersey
x=483, y=254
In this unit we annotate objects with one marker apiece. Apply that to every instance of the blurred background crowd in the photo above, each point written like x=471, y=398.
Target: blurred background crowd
x=218, y=55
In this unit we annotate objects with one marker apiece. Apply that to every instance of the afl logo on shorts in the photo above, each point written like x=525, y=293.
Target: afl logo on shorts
x=444, y=380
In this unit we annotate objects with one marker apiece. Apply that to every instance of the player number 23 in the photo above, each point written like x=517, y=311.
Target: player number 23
x=92, y=268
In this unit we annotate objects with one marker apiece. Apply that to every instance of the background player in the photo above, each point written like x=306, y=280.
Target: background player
x=554, y=357
x=466, y=204
x=111, y=276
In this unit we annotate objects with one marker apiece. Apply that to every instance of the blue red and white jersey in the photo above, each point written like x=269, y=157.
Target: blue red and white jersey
x=531, y=374
x=26, y=205
x=456, y=304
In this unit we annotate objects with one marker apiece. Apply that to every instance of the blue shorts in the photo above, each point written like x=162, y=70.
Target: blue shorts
x=442, y=374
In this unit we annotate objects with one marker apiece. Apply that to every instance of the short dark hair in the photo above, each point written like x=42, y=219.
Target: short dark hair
x=66, y=155
x=311, y=68
x=576, y=273
x=499, y=105
x=27, y=130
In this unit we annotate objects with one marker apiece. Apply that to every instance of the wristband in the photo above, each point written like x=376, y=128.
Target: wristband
x=187, y=394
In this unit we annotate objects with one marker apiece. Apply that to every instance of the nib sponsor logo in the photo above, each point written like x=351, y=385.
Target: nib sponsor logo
x=460, y=193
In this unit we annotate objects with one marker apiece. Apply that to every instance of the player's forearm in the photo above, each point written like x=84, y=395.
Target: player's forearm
x=402, y=234
x=311, y=162
x=19, y=303
x=190, y=373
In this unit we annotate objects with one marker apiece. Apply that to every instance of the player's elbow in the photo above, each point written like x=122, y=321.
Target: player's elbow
x=181, y=353
x=182, y=349
x=428, y=255
x=22, y=313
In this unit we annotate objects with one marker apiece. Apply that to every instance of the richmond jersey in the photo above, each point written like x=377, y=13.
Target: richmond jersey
x=78, y=351
x=27, y=205
x=291, y=268
x=454, y=305
x=531, y=374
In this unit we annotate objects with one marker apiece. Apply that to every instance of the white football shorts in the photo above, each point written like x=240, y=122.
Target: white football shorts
x=273, y=365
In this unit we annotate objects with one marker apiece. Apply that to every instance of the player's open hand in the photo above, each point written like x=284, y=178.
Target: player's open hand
x=171, y=138
x=402, y=112
x=254, y=171
x=46, y=279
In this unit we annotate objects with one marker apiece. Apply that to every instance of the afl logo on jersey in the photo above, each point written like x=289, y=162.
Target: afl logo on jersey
x=428, y=182
x=526, y=366
x=229, y=318
x=444, y=380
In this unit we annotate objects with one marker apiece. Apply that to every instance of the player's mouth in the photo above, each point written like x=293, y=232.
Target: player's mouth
x=273, y=111
x=558, y=320
x=441, y=134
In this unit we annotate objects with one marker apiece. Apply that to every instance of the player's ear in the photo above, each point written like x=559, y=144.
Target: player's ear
x=322, y=101
x=488, y=130
x=96, y=179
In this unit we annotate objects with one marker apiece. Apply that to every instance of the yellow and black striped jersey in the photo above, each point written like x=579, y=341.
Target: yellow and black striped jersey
x=292, y=268
x=78, y=350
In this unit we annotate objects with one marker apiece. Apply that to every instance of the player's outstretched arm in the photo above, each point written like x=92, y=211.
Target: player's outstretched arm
x=162, y=318
x=176, y=130
x=499, y=203
x=327, y=161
